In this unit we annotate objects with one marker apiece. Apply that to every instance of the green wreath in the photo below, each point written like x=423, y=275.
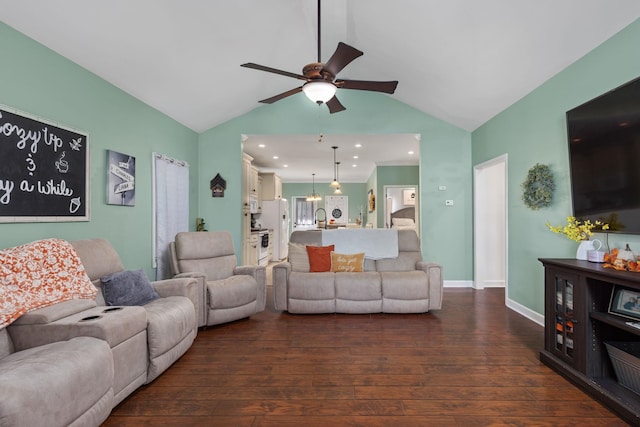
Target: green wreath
x=537, y=189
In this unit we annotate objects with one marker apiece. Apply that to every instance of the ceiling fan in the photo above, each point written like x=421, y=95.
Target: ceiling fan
x=321, y=83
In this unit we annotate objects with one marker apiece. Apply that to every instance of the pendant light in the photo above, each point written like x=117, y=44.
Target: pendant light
x=337, y=190
x=313, y=197
x=334, y=183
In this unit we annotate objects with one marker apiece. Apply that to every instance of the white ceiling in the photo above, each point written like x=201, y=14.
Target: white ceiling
x=462, y=61
x=300, y=156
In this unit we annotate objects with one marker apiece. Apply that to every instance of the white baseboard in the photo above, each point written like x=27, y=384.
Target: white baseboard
x=457, y=283
x=515, y=306
x=494, y=284
x=526, y=312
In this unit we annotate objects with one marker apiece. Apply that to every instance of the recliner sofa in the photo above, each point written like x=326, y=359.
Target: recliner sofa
x=226, y=291
x=142, y=342
x=405, y=284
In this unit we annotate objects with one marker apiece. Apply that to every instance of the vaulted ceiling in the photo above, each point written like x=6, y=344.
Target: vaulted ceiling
x=462, y=61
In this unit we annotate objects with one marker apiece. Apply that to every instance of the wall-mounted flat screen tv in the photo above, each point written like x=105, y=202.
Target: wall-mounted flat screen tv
x=604, y=158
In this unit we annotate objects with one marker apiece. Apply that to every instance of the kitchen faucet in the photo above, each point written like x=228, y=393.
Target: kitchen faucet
x=315, y=216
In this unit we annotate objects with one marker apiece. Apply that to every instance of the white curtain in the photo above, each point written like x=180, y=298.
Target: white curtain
x=171, y=208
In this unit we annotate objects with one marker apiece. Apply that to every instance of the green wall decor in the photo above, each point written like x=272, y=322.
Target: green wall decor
x=537, y=188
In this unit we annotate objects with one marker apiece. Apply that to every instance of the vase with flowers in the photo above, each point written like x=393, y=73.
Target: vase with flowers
x=580, y=231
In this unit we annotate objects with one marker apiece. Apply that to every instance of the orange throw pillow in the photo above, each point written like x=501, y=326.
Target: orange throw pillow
x=319, y=258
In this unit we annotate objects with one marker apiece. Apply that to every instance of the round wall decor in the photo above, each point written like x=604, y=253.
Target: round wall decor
x=537, y=189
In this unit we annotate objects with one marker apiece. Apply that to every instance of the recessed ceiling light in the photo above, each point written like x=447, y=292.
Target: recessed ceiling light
x=355, y=157
x=285, y=166
x=358, y=145
x=411, y=153
x=275, y=157
x=261, y=145
x=354, y=166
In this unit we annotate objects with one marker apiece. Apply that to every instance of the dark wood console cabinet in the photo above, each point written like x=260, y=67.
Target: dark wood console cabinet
x=577, y=323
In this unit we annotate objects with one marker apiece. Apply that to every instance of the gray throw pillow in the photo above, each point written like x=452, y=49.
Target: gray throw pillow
x=131, y=287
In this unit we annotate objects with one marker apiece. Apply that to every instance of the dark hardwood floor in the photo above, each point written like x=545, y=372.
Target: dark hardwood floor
x=473, y=363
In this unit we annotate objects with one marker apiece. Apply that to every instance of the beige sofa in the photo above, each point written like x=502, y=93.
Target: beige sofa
x=404, y=284
x=143, y=341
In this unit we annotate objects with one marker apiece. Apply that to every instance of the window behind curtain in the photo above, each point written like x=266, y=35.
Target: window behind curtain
x=304, y=213
x=171, y=208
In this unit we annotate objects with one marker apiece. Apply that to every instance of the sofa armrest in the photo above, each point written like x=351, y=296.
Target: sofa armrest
x=258, y=272
x=280, y=277
x=201, y=294
x=186, y=287
x=434, y=275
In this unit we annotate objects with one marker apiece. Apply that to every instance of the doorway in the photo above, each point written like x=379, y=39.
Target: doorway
x=490, y=224
x=401, y=207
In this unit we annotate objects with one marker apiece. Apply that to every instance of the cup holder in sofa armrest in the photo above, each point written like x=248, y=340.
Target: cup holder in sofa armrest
x=112, y=309
x=89, y=318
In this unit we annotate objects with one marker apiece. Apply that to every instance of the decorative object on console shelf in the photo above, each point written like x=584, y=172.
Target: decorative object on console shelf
x=580, y=231
x=622, y=263
x=537, y=189
x=625, y=302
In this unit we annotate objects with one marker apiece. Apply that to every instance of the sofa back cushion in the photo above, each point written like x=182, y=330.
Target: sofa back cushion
x=208, y=252
x=6, y=346
x=406, y=261
x=298, y=257
x=306, y=237
x=408, y=241
x=99, y=259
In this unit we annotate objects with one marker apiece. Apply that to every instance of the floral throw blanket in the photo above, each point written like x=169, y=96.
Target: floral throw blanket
x=40, y=274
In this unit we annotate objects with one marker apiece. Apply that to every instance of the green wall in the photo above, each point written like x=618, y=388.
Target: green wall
x=445, y=158
x=40, y=82
x=533, y=130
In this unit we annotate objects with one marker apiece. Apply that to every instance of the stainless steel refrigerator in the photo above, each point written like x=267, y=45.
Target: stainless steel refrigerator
x=275, y=216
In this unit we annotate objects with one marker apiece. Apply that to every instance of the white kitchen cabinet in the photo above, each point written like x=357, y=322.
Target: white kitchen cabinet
x=271, y=186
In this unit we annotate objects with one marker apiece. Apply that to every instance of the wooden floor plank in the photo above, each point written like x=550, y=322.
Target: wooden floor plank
x=473, y=363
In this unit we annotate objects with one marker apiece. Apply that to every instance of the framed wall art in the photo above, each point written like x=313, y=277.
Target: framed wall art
x=409, y=196
x=44, y=170
x=372, y=201
x=121, y=179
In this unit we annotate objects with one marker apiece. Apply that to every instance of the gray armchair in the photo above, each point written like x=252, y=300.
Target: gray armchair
x=227, y=292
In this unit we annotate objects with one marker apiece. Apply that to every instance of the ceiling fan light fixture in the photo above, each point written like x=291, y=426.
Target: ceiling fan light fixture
x=319, y=92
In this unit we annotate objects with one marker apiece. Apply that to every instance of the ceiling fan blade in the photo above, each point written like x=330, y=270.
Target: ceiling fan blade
x=335, y=106
x=386, y=87
x=281, y=96
x=273, y=70
x=343, y=55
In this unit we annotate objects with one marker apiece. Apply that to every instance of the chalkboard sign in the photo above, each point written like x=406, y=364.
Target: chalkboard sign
x=43, y=170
